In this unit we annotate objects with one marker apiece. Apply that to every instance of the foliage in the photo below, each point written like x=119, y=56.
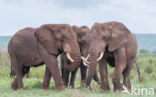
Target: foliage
x=144, y=52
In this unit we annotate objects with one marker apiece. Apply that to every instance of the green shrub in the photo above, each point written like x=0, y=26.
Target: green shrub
x=144, y=52
x=148, y=69
x=150, y=61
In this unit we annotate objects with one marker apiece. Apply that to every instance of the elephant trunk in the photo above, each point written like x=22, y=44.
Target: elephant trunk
x=73, y=56
x=92, y=67
x=72, y=66
x=96, y=53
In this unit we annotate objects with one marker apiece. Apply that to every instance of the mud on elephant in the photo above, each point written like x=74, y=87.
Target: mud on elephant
x=112, y=43
x=83, y=41
x=33, y=47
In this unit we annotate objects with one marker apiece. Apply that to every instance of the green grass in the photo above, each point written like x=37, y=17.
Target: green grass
x=33, y=85
x=32, y=88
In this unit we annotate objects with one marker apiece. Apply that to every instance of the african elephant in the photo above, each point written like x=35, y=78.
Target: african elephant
x=32, y=47
x=83, y=41
x=112, y=43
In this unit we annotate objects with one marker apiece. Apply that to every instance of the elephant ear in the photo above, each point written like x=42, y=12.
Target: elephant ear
x=46, y=39
x=119, y=36
x=76, y=28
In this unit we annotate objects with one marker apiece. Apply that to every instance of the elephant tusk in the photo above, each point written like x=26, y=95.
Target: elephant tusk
x=87, y=57
x=69, y=57
x=84, y=60
x=85, y=64
x=101, y=55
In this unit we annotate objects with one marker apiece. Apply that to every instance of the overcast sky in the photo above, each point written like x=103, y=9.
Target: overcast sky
x=138, y=15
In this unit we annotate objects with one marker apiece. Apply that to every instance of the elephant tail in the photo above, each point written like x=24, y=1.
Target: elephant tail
x=138, y=71
x=12, y=73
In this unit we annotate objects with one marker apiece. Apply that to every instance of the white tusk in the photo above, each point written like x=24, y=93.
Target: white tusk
x=85, y=64
x=87, y=57
x=69, y=57
x=84, y=60
x=101, y=55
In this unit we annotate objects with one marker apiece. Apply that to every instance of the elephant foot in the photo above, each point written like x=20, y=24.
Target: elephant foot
x=127, y=86
x=89, y=88
x=14, y=86
x=119, y=88
x=106, y=89
x=71, y=87
x=46, y=89
x=60, y=88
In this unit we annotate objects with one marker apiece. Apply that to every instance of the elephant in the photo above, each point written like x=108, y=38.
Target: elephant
x=83, y=41
x=112, y=43
x=32, y=47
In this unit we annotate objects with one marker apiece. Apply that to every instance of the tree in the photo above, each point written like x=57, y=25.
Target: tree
x=144, y=52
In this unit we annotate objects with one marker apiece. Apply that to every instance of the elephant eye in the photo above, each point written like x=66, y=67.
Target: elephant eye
x=83, y=34
x=104, y=37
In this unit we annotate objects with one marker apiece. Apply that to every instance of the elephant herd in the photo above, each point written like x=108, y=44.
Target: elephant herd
x=79, y=47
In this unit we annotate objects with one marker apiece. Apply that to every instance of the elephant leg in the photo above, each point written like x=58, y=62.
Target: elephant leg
x=46, y=81
x=83, y=71
x=104, y=75
x=72, y=79
x=19, y=76
x=96, y=78
x=14, y=84
x=14, y=62
x=51, y=63
x=62, y=65
x=19, y=71
x=66, y=77
x=120, y=64
x=126, y=73
x=62, y=73
x=26, y=71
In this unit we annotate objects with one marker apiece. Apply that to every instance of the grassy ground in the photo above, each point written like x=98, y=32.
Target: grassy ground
x=33, y=85
x=32, y=88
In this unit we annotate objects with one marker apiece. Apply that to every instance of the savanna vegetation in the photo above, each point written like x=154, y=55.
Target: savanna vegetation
x=32, y=86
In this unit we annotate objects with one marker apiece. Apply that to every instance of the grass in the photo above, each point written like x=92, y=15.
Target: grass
x=32, y=88
x=33, y=85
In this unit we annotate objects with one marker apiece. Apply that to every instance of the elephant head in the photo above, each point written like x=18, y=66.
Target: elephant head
x=58, y=38
x=108, y=36
x=83, y=41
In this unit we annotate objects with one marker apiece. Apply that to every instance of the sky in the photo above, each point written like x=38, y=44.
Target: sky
x=138, y=15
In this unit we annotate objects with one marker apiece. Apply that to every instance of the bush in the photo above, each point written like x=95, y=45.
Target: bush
x=4, y=59
x=144, y=52
x=148, y=69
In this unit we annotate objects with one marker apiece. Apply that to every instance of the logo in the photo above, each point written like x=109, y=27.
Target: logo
x=139, y=91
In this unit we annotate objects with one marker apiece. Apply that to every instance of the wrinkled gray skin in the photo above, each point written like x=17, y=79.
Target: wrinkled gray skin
x=32, y=47
x=83, y=41
x=120, y=48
